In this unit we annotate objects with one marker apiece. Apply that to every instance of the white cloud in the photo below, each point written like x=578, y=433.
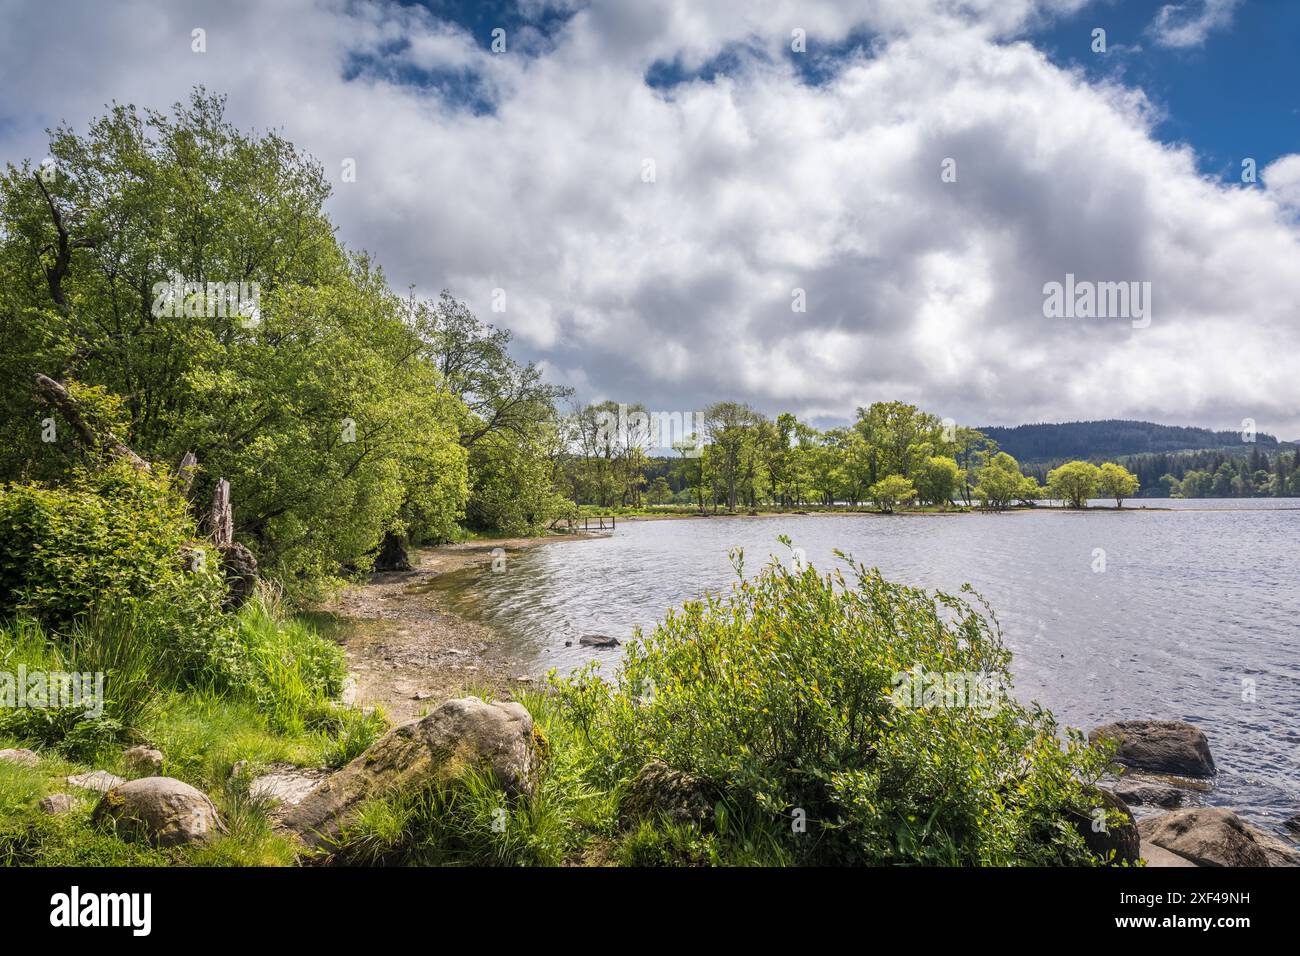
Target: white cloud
x=678, y=292
x=1188, y=24
x=1282, y=177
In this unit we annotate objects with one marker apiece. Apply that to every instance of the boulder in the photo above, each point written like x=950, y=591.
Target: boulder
x=1116, y=834
x=598, y=640
x=1153, y=855
x=284, y=786
x=20, y=755
x=1208, y=836
x=99, y=780
x=56, y=804
x=436, y=751
x=1138, y=793
x=161, y=811
x=1159, y=746
x=659, y=790
x=145, y=761
x=1280, y=852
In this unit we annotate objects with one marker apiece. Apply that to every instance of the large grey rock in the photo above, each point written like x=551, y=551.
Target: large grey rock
x=1159, y=746
x=161, y=811
x=1138, y=793
x=143, y=760
x=100, y=781
x=659, y=790
x=20, y=755
x=1280, y=852
x=1114, y=836
x=436, y=751
x=1208, y=836
x=1153, y=855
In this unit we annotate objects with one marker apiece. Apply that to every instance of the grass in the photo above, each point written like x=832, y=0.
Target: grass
x=284, y=709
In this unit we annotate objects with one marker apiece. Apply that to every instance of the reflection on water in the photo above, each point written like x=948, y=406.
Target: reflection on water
x=1196, y=612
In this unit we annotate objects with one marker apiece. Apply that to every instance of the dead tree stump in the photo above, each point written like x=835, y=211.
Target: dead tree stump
x=237, y=562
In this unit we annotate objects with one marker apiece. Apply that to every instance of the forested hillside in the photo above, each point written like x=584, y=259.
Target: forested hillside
x=1110, y=439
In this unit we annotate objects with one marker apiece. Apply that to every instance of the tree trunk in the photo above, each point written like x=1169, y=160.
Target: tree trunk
x=392, y=554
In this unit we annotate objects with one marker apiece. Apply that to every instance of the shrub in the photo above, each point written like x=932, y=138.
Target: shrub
x=112, y=536
x=783, y=694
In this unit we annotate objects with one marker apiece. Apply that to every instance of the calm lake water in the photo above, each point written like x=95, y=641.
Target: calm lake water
x=1196, y=602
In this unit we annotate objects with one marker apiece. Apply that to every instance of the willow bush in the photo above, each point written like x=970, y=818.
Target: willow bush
x=790, y=697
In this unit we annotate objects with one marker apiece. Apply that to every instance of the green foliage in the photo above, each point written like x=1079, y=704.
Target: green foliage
x=316, y=394
x=513, y=492
x=937, y=481
x=888, y=493
x=115, y=536
x=286, y=674
x=780, y=695
x=1116, y=481
x=1075, y=482
x=1000, y=483
x=664, y=843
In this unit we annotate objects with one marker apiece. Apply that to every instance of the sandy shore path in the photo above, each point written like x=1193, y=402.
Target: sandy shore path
x=406, y=650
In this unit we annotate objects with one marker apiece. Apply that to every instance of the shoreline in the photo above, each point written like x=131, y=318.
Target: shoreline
x=406, y=649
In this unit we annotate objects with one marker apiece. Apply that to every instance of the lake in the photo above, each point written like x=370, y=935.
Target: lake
x=1196, y=615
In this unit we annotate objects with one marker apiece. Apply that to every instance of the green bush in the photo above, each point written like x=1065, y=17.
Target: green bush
x=111, y=536
x=782, y=696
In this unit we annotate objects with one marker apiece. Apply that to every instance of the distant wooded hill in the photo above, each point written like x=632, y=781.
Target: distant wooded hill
x=1111, y=439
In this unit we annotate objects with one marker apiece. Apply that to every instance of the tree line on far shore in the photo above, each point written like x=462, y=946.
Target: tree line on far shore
x=893, y=455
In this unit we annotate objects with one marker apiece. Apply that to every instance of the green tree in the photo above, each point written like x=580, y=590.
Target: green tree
x=902, y=436
x=730, y=427
x=1116, y=481
x=190, y=269
x=890, y=492
x=1075, y=482
x=938, y=479
x=1000, y=483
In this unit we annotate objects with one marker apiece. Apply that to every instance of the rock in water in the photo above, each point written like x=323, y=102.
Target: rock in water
x=1208, y=836
x=1138, y=793
x=598, y=640
x=1117, y=832
x=659, y=789
x=1280, y=852
x=1159, y=746
x=432, y=752
x=161, y=811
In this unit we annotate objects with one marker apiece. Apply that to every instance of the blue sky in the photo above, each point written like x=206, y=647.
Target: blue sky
x=1237, y=95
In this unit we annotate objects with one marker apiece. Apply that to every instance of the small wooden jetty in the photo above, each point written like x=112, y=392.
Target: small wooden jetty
x=583, y=523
